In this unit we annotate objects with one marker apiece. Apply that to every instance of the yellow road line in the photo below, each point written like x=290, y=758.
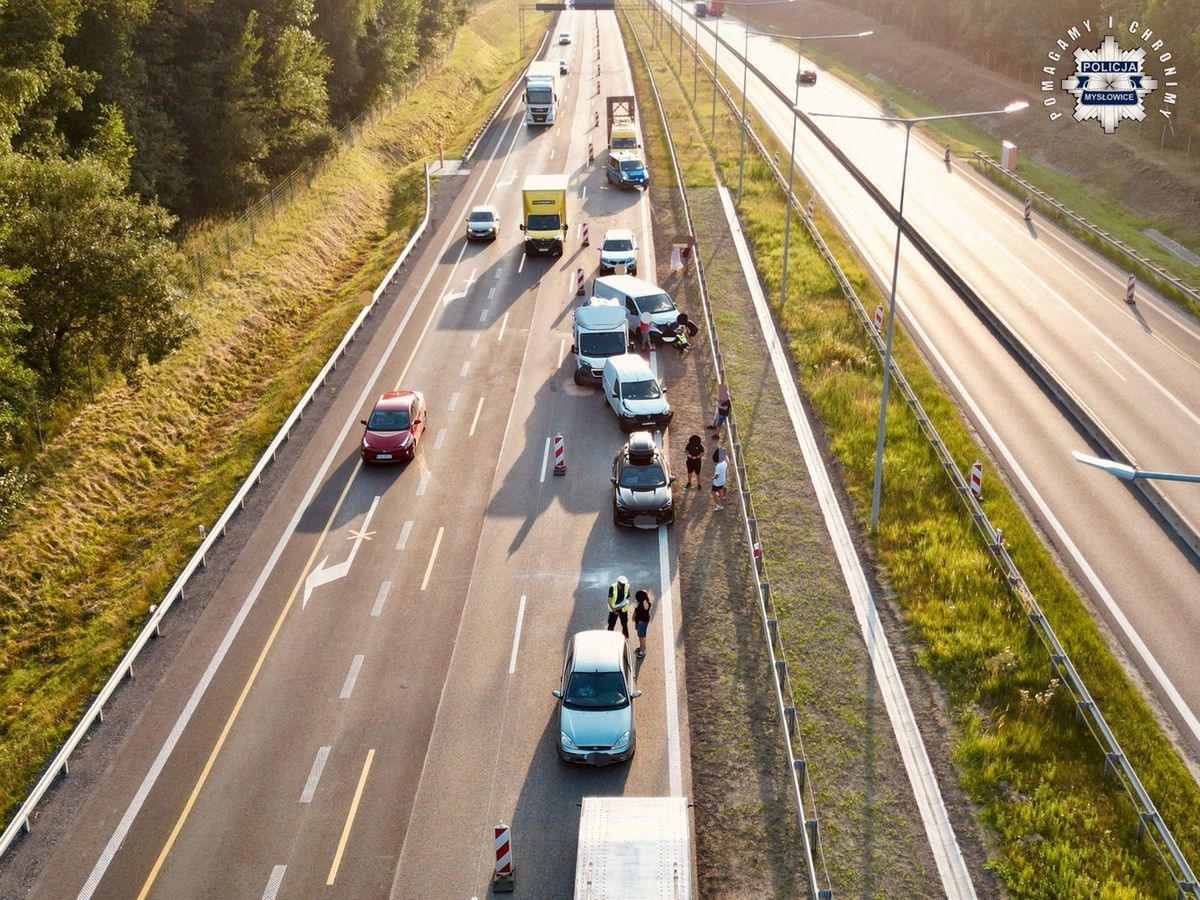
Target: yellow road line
x=437, y=542
x=362, y=781
x=237, y=707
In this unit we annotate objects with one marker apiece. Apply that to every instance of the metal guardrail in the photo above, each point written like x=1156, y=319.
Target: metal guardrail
x=60, y=764
x=784, y=701
x=1066, y=212
x=1150, y=822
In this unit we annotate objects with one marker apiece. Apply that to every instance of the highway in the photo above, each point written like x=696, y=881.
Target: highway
x=1135, y=369
x=369, y=690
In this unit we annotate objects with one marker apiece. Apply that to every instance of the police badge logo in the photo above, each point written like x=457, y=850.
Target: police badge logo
x=1109, y=83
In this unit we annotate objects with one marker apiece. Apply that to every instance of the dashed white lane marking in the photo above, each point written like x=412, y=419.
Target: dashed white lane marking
x=1110, y=366
x=273, y=883
x=521, y=264
x=483, y=314
x=583, y=193
x=437, y=542
x=314, y=775
x=424, y=482
x=466, y=367
x=453, y=402
x=512, y=660
x=404, y=533
x=492, y=292
x=437, y=441
x=475, y=420
x=545, y=459
x=503, y=325
x=562, y=351
x=552, y=149
x=351, y=677
x=475, y=336
x=381, y=597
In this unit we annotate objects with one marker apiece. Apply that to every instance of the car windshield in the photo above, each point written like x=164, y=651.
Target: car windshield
x=631, y=165
x=388, y=420
x=596, y=690
x=616, y=245
x=544, y=223
x=482, y=216
x=641, y=390
x=644, y=477
x=541, y=95
x=624, y=143
x=655, y=303
x=602, y=343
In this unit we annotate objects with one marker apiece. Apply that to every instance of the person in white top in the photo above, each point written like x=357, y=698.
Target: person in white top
x=720, y=473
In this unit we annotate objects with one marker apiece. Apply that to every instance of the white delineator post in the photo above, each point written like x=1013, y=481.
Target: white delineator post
x=591, y=153
x=977, y=479
x=879, y=318
x=1028, y=209
x=560, y=455
x=810, y=207
x=584, y=239
x=579, y=282
x=502, y=879
x=1129, y=285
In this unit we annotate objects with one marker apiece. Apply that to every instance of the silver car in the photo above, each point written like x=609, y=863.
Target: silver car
x=483, y=224
x=595, y=702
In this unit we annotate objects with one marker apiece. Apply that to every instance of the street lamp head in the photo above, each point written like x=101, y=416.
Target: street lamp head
x=1016, y=106
x=1122, y=471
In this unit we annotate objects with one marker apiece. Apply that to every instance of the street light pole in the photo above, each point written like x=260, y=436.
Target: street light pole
x=742, y=144
x=695, y=56
x=877, y=485
x=787, y=222
x=716, y=50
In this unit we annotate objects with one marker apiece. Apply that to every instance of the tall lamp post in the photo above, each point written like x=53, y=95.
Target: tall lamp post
x=891, y=318
x=1127, y=472
x=787, y=222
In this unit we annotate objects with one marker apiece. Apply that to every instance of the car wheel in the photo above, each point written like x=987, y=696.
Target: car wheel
x=579, y=378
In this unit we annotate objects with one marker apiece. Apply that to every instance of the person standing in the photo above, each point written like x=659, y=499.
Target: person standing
x=695, y=460
x=720, y=474
x=719, y=418
x=644, y=321
x=618, y=605
x=641, y=619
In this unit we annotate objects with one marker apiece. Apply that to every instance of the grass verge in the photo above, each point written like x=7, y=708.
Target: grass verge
x=114, y=518
x=1059, y=827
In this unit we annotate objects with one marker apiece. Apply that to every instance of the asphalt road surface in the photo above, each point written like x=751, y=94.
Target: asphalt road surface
x=368, y=693
x=1136, y=369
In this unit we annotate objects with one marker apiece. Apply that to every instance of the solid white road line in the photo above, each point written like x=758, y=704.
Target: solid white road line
x=1111, y=367
x=503, y=325
x=437, y=441
x=437, y=542
x=512, y=660
x=341, y=847
x=453, y=402
x=314, y=775
x=545, y=459
x=424, y=482
x=273, y=883
x=666, y=605
x=381, y=598
x=952, y=867
x=160, y=760
x=404, y=533
x=351, y=677
x=475, y=419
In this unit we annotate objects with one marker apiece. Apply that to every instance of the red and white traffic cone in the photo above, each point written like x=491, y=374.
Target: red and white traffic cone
x=977, y=480
x=502, y=878
x=879, y=318
x=1028, y=209
x=579, y=282
x=591, y=153
x=560, y=455
x=584, y=239
x=1129, y=289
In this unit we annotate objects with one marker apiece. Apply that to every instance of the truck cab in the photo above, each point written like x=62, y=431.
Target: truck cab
x=541, y=96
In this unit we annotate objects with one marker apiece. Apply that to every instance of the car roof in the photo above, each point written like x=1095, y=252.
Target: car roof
x=629, y=365
x=618, y=155
x=618, y=233
x=628, y=285
x=598, y=651
x=395, y=400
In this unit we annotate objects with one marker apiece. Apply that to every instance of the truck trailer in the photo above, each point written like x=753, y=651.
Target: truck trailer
x=541, y=92
x=544, y=204
x=634, y=848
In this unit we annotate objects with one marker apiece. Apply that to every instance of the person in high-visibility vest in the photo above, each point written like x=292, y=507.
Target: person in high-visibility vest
x=619, y=598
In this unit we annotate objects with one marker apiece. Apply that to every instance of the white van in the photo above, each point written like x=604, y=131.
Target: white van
x=634, y=394
x=600, y=330
x=639, y=297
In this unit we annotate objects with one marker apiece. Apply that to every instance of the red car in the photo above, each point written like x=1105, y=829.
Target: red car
x=394, y=427
x=808, y=76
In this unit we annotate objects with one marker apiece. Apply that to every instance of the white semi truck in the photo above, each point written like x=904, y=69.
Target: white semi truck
x=634, y=848
x=541, y=92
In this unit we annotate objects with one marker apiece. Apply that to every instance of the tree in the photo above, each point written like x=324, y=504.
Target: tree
x=389, y=47
x=102, y=283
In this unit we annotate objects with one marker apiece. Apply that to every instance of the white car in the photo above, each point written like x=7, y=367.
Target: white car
x=483, y=224
x=564, y=37
x=619, y=248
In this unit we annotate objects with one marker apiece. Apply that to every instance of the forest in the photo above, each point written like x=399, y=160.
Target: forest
x=121, y=122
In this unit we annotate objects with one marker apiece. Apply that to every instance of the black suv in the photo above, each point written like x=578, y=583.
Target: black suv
x=642, y=484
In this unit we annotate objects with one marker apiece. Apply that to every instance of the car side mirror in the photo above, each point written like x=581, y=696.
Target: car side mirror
x=573, y=350
x=613, y=479
x=363, y=421
x=557, y=694
x=522, y=226
x=614, y=393
x=672, y=481
x=635, y=693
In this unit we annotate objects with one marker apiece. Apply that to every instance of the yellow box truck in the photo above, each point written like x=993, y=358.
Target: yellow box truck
x=544, y=199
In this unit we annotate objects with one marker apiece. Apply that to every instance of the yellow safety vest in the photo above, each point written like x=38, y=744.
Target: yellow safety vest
x=615, y=603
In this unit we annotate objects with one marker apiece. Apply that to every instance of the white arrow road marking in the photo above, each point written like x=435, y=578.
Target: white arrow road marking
x=321, y=575
x=451, y=296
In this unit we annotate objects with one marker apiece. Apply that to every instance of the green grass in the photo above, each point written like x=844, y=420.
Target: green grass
x=114, y=517
x=1059, y=827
